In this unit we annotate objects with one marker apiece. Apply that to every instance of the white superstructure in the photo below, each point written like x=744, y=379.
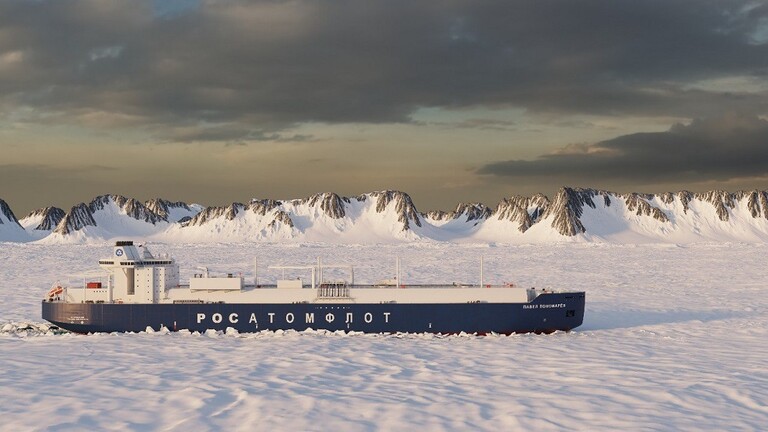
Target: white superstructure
x=135, y=275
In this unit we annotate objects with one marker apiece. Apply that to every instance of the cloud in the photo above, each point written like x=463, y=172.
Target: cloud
x=721, y=148
x=232, y=133
x=106, y=52
x=271, y=65
x=476, y=123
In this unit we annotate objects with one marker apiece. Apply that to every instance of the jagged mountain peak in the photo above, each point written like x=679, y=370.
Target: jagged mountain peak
x=539, y=200
x=152, y=212
x=438, y=215
x=50, y=217
x=101, y=201
x=209, y=213
x=472, y=211
x=40, y=212
x=132, y=207
x=757, y=202
x=512, y=210
x=666, y=197
x=683, y=196
x=162, y=207
x=7, y=213
x=330, y=203
x=404, y=207
x=567, y=208
x=263, y=206
x=721, y=199
x=525, y=211
x=639, y=204
x=10, y=228
x=260, y=219
x=78, y=217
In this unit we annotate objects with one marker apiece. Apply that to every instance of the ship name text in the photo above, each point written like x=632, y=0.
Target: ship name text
x=290, y=317
x=544, y=306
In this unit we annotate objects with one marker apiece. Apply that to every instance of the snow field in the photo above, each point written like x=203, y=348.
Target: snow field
x=673, y=339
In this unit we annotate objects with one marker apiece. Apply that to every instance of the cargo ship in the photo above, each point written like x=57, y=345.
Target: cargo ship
x=141, y=291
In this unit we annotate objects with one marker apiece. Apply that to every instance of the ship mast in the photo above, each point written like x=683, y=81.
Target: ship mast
x=482, y=281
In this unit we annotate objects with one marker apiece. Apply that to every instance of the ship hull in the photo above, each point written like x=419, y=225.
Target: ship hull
x=547, y=313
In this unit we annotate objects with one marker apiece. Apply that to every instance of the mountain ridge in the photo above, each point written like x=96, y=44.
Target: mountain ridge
x=43, y=219
x=573, y=214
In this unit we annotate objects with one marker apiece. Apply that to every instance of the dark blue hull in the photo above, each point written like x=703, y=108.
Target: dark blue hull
x=547, y=313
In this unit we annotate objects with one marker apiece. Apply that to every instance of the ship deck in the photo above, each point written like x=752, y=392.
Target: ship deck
x=369, y=294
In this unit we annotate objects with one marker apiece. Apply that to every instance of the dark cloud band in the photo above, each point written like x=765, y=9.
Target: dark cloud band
x=721, y=148
x=268, y=65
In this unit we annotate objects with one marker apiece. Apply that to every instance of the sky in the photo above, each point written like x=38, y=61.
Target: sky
x=216, y=102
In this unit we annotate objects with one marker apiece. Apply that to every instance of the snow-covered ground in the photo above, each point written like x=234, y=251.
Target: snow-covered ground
x=674, y=338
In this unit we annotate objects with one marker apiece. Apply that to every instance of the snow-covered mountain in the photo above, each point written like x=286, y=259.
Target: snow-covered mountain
x=10, y=229
x=41, y=222
x=383, y=216
x=572, y=215
x=682, y=217
x=465, y=212
x=110, y=216
x=172, y=211
x=45, y=219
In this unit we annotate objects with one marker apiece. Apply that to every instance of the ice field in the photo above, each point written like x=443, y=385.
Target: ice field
x=674, y=338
